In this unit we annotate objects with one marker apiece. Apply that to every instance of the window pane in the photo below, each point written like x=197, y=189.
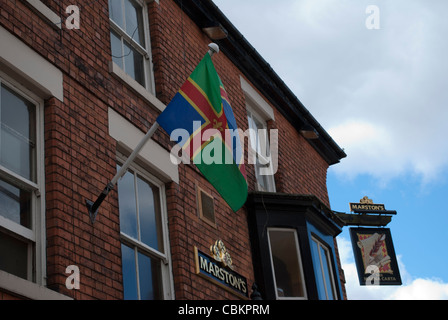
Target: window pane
x=13, y=256
x=262, y=140
x=326, y=272
x=117, y=54
x=253, y=132
x=259, y=137
x=134, y=64
x=285, y=260
x=318, y=270
x=116, y=12
x=149, y=213
x=127, y=205
x=17, y=134
x=134, y=21
x=15, y=204
x=265, y=180
x=259, y=141
x=149, y=276
x=129, y=273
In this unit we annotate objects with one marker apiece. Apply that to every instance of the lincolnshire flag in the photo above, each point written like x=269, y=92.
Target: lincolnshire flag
x=201, y=106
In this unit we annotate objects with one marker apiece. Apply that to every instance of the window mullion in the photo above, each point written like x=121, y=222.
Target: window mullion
x=122, y=53
x=17, y=229
x=145, y=248
x=123, y=11
x=137, y=273
x=17, y=180
x=126, y=37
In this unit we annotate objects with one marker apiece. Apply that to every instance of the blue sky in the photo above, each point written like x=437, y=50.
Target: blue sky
x=382, y=95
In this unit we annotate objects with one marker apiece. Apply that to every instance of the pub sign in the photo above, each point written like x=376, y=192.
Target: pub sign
x=375, y=258
x=218, y=269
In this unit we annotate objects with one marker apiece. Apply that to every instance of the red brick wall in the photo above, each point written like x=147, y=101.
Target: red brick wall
x=80, y=156
x=8, y=296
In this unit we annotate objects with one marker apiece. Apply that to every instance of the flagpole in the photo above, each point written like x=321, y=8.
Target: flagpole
x=94, y=206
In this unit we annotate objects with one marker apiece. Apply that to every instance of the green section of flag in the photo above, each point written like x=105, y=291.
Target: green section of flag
x=226, y=178
x=207, y=78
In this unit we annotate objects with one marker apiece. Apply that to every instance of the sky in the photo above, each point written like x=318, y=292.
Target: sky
x=380, y=89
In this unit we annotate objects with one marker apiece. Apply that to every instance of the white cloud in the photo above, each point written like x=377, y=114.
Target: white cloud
x=366, y=143
x=422, y=289
x=392, y=80
x=411, y=289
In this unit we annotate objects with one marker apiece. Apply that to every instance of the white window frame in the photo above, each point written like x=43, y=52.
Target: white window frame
x=164, y=257
x=35, y=235
x=144, y=51
x=320, y=244
x=270, y=180
x=299, y=257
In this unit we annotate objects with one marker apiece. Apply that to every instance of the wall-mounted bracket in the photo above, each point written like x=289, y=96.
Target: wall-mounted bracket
x=363, y=219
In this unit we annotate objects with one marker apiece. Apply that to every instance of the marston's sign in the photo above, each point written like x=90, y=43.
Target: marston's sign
x=220, y=274
x=366, y=204
x=360, y=206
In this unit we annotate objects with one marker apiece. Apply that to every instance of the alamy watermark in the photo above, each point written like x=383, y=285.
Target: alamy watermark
x=73, y=18
x=374, y=275
x=373, y=20
x=73, y=280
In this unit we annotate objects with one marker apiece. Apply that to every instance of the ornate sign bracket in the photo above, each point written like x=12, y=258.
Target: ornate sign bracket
x=366, y=213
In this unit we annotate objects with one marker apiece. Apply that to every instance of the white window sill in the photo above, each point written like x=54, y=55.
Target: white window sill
x=137, y=87
x=46, y=12
x=29, y=68
x=152, y=154
x=27, y=289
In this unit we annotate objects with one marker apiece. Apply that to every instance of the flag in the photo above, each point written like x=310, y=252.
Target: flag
x=201, y=108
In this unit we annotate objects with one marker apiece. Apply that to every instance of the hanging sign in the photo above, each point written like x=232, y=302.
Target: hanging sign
x=375, y=258
x=219, y=270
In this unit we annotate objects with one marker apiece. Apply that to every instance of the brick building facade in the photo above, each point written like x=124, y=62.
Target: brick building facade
x=74, y=104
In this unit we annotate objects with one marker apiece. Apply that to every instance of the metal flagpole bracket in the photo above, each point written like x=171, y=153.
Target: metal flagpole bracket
x=94, y=206
x=92, y=214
